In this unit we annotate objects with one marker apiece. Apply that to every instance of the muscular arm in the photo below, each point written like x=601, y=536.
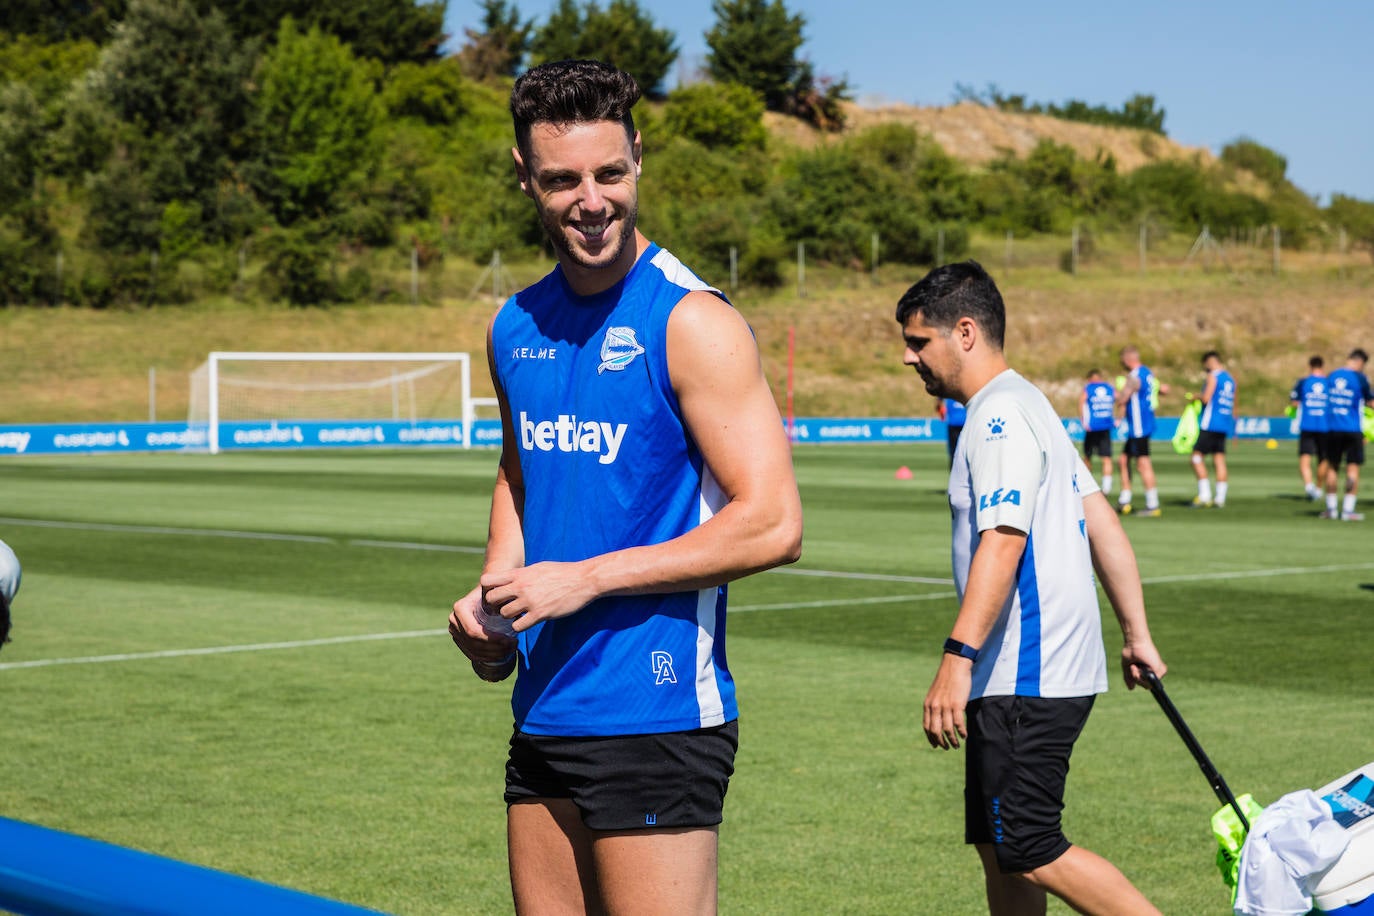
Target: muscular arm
x=992, y=572
x=505, y=539
x=1114, y=561
x=1123, y=396
x=731, y=416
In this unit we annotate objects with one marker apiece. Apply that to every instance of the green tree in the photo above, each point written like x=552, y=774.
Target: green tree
x=390, y=31
x=63, y=20
x=622, y=34
x=754, y=43
x=717, y=115
x=499, y=48
x=178, y=83
x=433, y=93
x=316, y=114
x=1355, y=216
x=1260, y=161
x=48, y=69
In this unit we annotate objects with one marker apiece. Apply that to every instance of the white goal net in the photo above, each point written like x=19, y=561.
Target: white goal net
x=323, y=387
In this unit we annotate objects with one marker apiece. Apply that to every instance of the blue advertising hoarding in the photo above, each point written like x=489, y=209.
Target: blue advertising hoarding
x=104, y=438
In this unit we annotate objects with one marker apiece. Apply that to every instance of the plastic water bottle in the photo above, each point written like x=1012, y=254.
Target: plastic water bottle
x=495, y=624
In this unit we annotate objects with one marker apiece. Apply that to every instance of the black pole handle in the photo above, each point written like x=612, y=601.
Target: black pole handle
x=1219, y=786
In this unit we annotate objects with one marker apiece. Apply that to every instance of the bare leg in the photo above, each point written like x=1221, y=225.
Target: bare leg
x=1009, y=895
x=1090, y=884
x=1146, y=467
x=551, y=867
x=1219, y=465
x=1305, y=470
x=671, y=872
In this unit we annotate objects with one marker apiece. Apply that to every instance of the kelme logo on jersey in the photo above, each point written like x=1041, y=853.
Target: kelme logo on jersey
x=618, y=349
x=998, y=497
x=663, y=668
x=997, y=429
x=569, y=434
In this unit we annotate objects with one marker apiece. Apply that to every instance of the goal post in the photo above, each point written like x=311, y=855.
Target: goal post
x=247, y=388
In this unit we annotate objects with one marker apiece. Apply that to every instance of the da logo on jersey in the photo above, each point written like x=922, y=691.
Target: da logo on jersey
x=997, y=429
x=618, y=349
x=662, y=664
x=999, y=497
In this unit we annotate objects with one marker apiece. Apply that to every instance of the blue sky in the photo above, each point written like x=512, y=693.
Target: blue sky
x=1298, y=78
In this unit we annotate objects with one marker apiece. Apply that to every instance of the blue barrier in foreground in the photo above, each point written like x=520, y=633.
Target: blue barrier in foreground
x=46, y=872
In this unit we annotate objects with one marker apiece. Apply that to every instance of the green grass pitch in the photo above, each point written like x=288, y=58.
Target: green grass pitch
x=344, y=748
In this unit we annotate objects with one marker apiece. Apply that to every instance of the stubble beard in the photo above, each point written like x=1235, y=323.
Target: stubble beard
x=557, y=234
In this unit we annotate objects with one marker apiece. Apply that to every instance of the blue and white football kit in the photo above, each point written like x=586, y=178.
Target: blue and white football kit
x=1310, y=395
x=608, y=464
x=1140, y=408
x=1098, y=418
x=1016, y=466
x=1347, y=393
x=1037, y=673
x=1216, y=421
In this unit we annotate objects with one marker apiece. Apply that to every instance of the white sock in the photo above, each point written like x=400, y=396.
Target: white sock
x=1152, y=499
x=1348, y=504
x=1125, y=498
x=1107, y=485
x=1331, y=502
x=1204, y=489
x=1221, y=492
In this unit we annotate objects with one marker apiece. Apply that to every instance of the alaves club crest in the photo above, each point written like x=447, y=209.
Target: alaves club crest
x=618, y=349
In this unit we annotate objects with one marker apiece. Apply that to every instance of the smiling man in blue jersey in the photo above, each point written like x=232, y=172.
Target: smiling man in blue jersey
x=1308, y=401
x=1025, y=658
x=1216, y=422
x=1347, y=394
x=643, y=466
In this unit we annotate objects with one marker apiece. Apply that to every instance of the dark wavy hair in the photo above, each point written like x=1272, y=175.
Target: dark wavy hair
x=571, y=92
x=955, y=291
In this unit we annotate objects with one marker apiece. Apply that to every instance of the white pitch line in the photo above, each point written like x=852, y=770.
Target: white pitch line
x=414, y=545
x=158, y=529
x=219, y=650
x=870, y=577
x=1259, y=573
x=845, y=602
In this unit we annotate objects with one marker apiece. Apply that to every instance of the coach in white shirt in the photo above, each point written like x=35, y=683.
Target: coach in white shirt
x=1025, y=658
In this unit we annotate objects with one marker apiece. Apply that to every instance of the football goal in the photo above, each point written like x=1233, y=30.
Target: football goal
x=322, y=387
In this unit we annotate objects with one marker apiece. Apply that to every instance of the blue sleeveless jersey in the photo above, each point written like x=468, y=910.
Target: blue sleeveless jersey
x=1140, y=409
x=1310, y=395
x=608, y=464
x=1219, y=414
x=1098, y=407
x=1346, y=393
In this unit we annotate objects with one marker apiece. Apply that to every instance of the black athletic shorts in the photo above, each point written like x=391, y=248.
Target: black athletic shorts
x=1344, y=447
x=1137, y=448
x=1097, y=442
x=1210, y=442
x=630, y=782
x=1310, y=443
x=1015, y=766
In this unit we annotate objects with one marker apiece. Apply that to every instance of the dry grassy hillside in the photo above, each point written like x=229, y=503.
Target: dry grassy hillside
x=70, y=365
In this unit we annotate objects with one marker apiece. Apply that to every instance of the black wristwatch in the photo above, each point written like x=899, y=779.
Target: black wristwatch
x=964, y=650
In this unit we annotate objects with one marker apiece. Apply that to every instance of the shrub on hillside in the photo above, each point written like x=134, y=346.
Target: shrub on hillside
x=716, y=115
